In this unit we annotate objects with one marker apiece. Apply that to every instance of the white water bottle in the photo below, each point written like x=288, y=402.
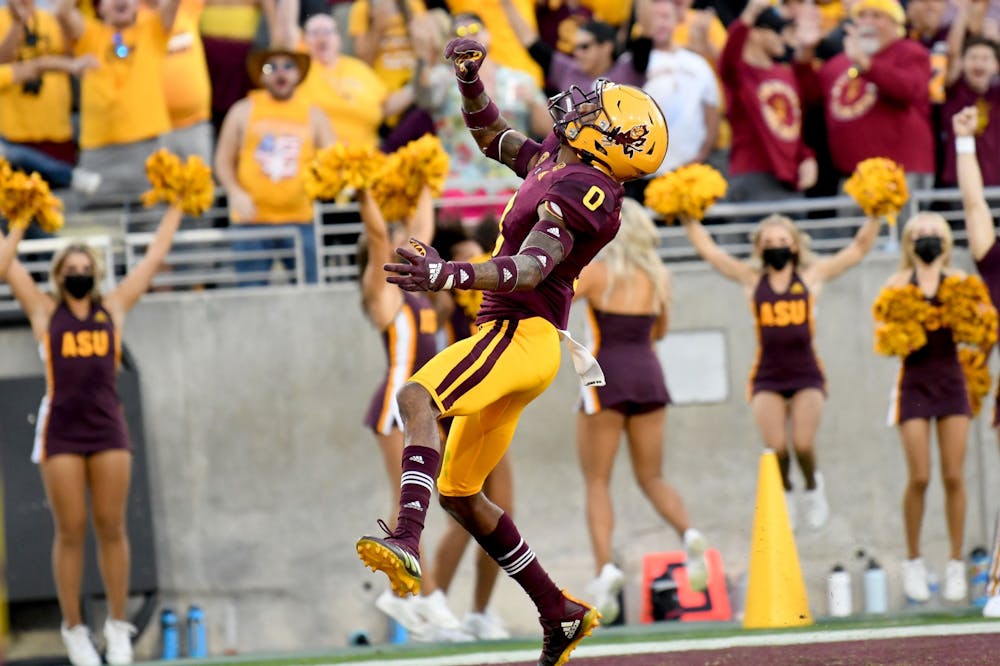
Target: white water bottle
x=876, y=589
x=838, y=592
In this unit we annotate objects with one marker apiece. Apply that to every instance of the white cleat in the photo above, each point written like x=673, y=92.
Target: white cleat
x=604, y=590
x=694, y=559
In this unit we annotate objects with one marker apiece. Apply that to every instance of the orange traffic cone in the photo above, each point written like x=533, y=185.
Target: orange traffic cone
x=776, y=594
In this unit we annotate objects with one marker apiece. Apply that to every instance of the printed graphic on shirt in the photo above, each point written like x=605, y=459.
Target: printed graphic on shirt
x=780, y=106
x=852, y=97
x=278, y=155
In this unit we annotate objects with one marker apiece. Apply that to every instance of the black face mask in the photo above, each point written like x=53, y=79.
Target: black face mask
x=928, y=248
x=777, y=257
x=78, y=286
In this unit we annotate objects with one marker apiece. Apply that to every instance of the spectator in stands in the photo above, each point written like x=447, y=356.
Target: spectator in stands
x=187, y=86
x=978, y=85
x=875, y=93
x=627, y=291
x=13, y=78
x=267, y=139
x=123, y=109
x=768, y=158
x=81, y=444
x=593, y=54
x=551, y=20
x=519, y=100
x=36, y=133
x=925, y=24
x=700, y=30
x=787, y=386
x=350, y=93
x=685, y=87
x=228, y=31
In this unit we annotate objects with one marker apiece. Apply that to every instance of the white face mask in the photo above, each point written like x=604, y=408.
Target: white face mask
x=869, y=41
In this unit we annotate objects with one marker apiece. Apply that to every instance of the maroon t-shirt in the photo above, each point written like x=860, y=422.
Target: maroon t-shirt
x=959, y=96
x=590, y=202
x=765, y=112
x=884, y=112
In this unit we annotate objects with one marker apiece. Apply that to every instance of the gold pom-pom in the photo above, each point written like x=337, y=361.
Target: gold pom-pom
x=419, y=163
x=967, y=310
x=338, y=167
x=685, y=192
x=25, y=198
x=977, y=376
x=878, y=185
x=187, y=185
x=902, y=314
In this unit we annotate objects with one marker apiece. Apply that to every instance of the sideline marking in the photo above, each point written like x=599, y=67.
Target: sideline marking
x=698, y=644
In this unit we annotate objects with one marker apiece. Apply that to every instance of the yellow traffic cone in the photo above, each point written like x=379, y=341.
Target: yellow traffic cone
x=776, y=594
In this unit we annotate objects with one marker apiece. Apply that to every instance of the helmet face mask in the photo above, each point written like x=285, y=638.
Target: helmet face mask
x=615, y=127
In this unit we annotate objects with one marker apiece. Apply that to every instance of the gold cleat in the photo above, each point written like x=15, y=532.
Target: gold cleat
x=402, y=568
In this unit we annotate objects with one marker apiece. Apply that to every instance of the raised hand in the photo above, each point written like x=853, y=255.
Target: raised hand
x=467, y=56
x=425, y=270
x=966, y=121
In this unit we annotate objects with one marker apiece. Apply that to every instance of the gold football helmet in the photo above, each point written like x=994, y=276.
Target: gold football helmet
x=616, y=126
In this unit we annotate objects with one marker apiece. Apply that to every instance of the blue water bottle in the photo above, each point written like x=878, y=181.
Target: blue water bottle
x=196, y=641
x=979, y=576
x=171, y=648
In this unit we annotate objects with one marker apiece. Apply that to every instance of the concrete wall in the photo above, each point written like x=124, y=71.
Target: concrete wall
x=263, y=477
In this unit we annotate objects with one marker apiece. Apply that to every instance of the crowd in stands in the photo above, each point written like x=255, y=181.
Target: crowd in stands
x=784, y=98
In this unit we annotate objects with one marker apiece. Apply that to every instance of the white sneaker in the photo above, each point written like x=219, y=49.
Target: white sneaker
x=484, y=626
x=604, y=590
x=992, y=607
x=84, y=181
x=79, y=648
x=403, y=610
x=956, y=588
x=817, y=509
x=118, y=641
x=694, y=559
x=792, y=512
x=915, y=580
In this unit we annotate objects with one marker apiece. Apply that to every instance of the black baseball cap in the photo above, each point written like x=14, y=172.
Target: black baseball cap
x=771, y=19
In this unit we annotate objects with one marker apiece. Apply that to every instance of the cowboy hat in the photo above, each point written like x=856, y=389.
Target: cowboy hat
x=257, y=59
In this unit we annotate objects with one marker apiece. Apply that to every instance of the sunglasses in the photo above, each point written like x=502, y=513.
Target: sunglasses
x=468, y=29
x=284, y=66
x=119, y=47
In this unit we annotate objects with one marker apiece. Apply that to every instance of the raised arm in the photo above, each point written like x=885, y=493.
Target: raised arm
x=139, y=279
x=978, y=220
x=382, y=300
x=496, y=139
x=830, y=267
x=70, y=19
x=12, y=40
x=285, y=33
x=323, y=134
x=36, y=304
x=725, y=263
x=421, y=222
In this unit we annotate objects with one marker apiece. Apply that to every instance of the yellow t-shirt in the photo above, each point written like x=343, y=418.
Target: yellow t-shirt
x=27, y=117
x=186, y=85
x=122, y=101
x=506, y=46
x=277, y=146
x=351, y=95
x=394, y=57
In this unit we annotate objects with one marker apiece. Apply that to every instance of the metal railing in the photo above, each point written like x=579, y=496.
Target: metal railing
x=203, y=253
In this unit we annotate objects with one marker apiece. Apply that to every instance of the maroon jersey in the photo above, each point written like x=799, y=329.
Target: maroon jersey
x=786, y=361
x=409, y=341
x=590, y=202
x=81, y=412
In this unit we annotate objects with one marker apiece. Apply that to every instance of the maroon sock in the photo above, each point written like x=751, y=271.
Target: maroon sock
x=506, y=546
x=420, y=469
